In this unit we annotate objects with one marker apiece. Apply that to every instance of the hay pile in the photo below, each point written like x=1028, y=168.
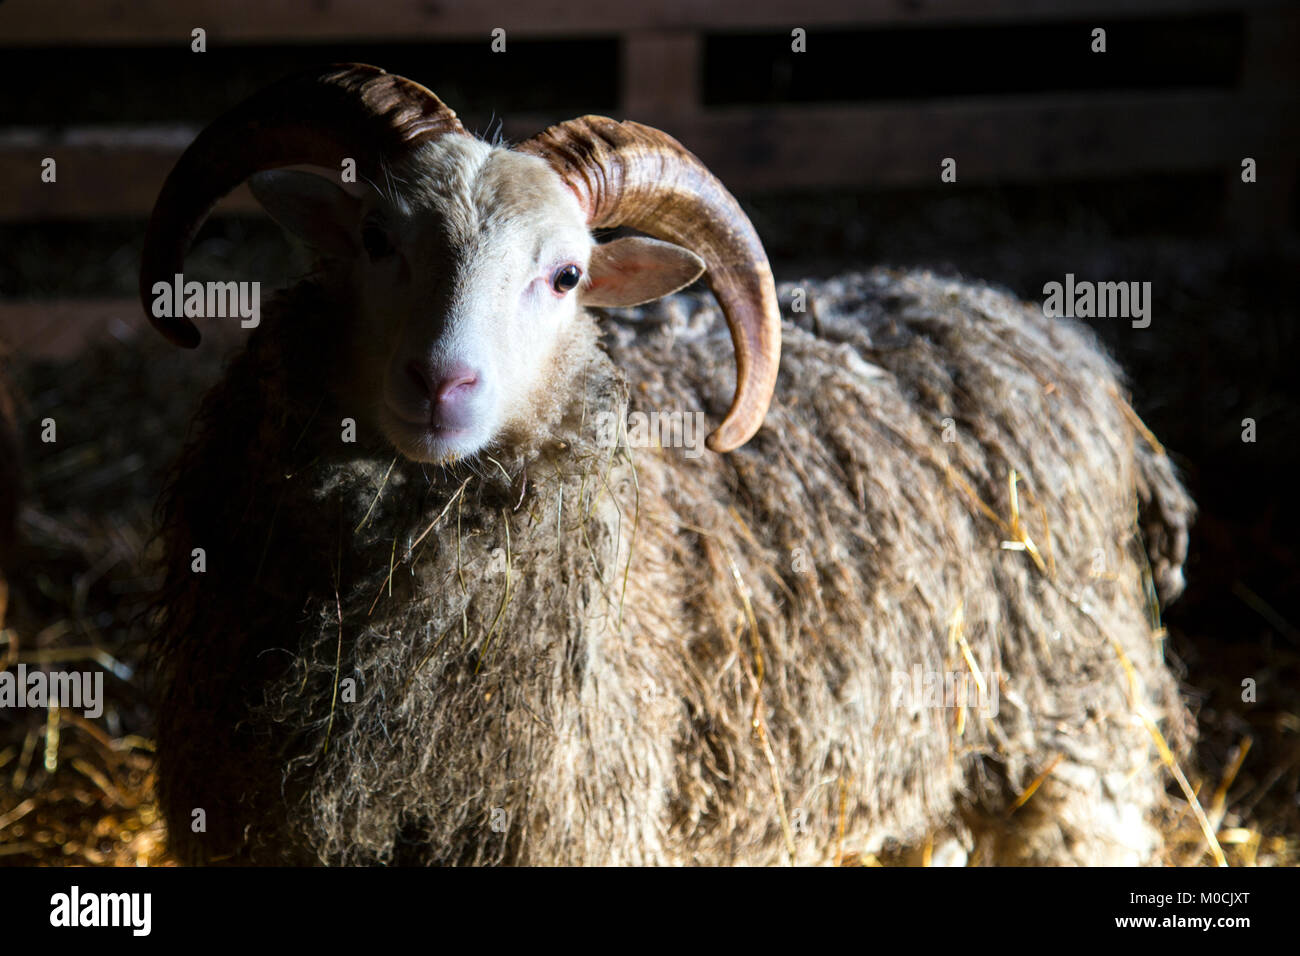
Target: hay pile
x=72, y=790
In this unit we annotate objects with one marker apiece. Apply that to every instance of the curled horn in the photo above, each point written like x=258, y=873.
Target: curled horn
x=626, y=174
x=319, y=118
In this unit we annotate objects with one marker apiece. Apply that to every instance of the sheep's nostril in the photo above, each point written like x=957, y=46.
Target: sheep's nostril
x=446, y=396
x=456, y=385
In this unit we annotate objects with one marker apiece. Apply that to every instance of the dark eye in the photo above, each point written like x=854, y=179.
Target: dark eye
x=376, y=242
x=566, y=278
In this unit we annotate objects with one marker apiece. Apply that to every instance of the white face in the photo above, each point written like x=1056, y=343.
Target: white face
x=466, y=284
x=470, y=289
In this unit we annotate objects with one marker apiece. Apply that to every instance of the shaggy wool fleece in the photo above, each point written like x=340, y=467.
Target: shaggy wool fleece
x=573, y=650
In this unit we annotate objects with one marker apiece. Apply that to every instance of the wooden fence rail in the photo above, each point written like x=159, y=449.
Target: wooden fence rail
x=116, y=171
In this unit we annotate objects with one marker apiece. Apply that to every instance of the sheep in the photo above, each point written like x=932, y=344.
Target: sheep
x=434, y=595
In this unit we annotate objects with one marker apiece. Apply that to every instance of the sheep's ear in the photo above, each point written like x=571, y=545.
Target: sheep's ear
x=635, y=270
x=310, y=207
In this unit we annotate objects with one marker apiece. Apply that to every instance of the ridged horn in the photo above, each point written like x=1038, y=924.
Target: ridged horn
x=627, y=174
x=321, y=117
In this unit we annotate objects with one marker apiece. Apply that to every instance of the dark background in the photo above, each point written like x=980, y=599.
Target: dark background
x=1115, y=166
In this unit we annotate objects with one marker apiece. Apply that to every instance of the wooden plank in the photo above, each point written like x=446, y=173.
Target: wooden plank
x=1271, y=63
x=100, y=173
x=97, y=22
x=661, y=73
x=994, y=139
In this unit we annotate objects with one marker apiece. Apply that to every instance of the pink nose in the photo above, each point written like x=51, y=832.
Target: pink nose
x=448, y=385
x=456, y=385
x=449, y=389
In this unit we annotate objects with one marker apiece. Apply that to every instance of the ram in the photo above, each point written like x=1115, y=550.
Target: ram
x=430, y=599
